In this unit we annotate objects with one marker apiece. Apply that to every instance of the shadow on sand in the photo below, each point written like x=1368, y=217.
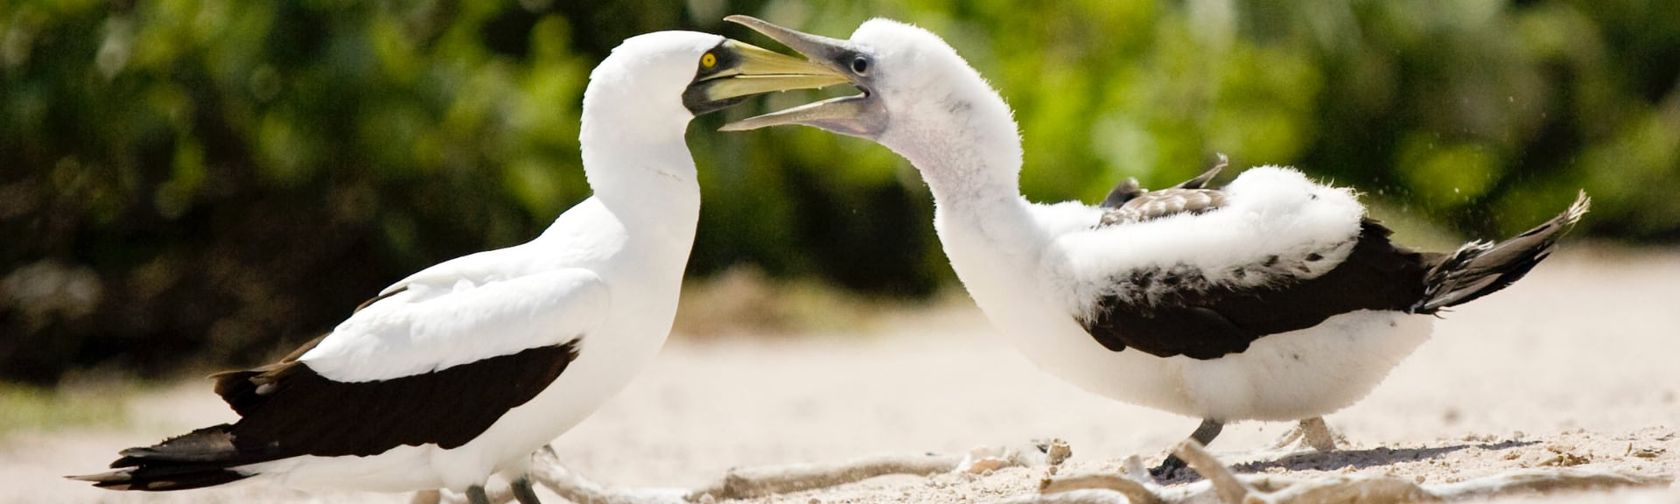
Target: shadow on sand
x=1361, y=459
x=1355, y=459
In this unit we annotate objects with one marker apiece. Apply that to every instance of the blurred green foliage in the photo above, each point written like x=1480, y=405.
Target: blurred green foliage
x=30, y=409
x=210, y=178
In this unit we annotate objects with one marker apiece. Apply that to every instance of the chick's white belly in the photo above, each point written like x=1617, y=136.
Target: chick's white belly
x=1287, y=376
x=1306, y=373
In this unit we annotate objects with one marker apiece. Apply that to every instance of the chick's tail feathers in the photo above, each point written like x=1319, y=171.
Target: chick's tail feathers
x=1480, y=268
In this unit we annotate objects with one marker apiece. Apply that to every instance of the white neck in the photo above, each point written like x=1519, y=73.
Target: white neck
x=638, y=163
x=970, y=155
x=965, y=173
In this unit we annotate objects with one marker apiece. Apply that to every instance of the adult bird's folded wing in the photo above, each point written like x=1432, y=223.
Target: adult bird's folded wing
x=413, y=368
x=435, y=325
x=402, y=372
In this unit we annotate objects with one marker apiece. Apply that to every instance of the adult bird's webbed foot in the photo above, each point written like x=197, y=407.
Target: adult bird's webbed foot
x=1311, y=432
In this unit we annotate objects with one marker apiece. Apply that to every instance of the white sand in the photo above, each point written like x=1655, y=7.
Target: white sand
x=1579, y=363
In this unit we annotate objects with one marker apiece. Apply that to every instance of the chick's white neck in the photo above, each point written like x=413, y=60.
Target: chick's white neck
x=964, y=141
x=962, y=137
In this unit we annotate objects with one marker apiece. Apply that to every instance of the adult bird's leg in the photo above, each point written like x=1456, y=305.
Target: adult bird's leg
x=1204, y=434
x=476, y=495
x=523, y=492
x=1312, y=432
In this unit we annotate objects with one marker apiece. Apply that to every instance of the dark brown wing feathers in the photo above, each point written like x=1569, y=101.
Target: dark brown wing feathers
x=1206, y=321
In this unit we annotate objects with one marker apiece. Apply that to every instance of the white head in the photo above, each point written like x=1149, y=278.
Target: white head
x=919, y=98
x=654, y=83
x=641, y=98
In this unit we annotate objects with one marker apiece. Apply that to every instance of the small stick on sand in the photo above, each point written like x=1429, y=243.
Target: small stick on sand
x=1220, y=485
x=1543, y=481
x=1227, y=487
x=1134, y=491
x=746, y=483
x=547, y=471
x=427, y=497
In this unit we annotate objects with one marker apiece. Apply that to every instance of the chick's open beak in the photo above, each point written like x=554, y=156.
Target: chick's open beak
x=861, y=115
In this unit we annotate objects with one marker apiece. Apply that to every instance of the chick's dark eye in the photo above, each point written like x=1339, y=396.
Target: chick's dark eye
x=860, y=65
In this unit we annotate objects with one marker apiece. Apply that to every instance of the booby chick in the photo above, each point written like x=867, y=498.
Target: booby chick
x=463, y=369
x=1273, y=298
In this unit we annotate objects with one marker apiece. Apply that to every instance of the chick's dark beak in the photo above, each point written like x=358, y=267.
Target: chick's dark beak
x=861, y=115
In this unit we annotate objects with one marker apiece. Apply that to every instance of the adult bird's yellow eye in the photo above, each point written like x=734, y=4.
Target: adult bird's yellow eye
x=708, y=60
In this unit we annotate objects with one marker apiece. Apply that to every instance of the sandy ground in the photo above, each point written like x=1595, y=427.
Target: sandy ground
x=1578, y=364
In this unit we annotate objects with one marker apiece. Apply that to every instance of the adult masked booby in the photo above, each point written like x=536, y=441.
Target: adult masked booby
x=461, y=370
x=1272, y=298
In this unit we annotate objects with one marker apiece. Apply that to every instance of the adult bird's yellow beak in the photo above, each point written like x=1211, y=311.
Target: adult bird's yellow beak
x=735, y=70
x=861, y=115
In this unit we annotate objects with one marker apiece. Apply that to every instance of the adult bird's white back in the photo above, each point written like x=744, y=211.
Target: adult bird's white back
x=461, y=370
x=1274, y=298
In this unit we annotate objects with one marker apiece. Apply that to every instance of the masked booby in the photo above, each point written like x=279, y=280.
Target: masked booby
x=463, y=369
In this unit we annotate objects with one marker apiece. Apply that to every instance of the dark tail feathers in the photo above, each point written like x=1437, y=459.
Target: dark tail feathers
x=197, y=459
x=1480, y=268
